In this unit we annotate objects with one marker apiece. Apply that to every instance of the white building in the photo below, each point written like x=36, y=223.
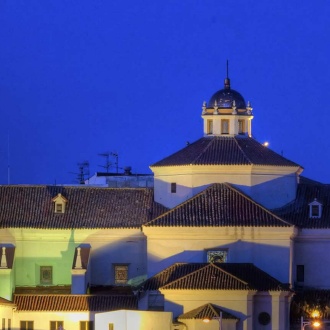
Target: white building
x=230, y=232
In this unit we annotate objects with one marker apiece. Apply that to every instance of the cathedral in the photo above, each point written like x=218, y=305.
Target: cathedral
x=230, y=232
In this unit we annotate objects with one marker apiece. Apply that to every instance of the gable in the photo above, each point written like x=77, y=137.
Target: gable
x=217, y=206
x=206, y=276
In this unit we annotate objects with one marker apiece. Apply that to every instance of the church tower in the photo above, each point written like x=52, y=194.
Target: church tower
x=226, y=153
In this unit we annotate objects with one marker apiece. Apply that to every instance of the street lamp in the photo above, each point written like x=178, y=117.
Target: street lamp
x=219, y=318
x=314, y=324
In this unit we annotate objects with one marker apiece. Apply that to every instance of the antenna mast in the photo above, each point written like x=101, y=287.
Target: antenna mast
x=108, y=164
x=83, y=171
x=227, y=80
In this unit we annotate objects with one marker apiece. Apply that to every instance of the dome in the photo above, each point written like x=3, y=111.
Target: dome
x=225, y=97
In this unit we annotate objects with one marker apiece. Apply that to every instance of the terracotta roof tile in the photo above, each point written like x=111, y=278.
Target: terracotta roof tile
x=207, y=311
x=208, y=276
x=219, y=205
x=87, y=207
x=74, y=303
x=215, y=150
x=297, y=212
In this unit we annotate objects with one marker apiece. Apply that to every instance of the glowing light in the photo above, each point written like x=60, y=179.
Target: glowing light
x=316, y=324
x=206, y=320
x=315, y=314
x=265, y=144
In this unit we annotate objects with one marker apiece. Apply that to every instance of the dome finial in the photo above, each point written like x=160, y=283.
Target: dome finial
x=227, y=80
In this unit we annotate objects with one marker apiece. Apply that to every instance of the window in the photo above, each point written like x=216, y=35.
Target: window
x=210, y=127
x=217, y=256
x=46, y=275
x=121, y=274
x=9, y=324
x=315, y=209
x=300, y=273
x=225, y=126
x=59, y=208
x=59, y=203
x=155, y=302
x=241, y=128
x=3, y=324
x=56, y=325
x=173, y=187
x=86, y=325
x=111, y=327
x=26, y=325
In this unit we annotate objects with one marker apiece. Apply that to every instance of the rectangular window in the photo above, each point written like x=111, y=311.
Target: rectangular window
x=111, y=326
x=315, y=210
x=3, y=324
x=9, y=324
x=173, y=187
x=210, y=127
x=300, y=273
x=46, y=275
x=86, y=325
x=56, y=325
x=217, y=256
x=59, y=208
x=241, y=127
x=121, y=274
x=225, y=126
x=26, y=325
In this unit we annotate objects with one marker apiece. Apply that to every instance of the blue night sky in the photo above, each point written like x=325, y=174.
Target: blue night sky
x=79, y=78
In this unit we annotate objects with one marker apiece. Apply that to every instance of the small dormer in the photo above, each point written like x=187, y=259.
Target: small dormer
x=59, y=203
x=315, y=209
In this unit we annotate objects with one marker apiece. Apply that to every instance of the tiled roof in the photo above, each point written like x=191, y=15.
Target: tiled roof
x=208, y=276
x=87, y=207
x=218, y=205
x=74, y=303
x=207, y=311
x=215, y=150
x=297, y=212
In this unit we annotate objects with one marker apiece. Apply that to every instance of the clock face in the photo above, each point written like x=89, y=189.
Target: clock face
x=217, y=256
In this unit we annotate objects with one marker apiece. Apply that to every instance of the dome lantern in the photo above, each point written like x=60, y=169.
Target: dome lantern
x=227, y=113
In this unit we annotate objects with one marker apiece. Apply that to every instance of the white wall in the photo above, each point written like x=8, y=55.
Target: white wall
x=244, y=305
x=42, y=319
x=311, y=249
x=270, y=186
x=266, y=247
x=37, y=247
x=192, y=324
x=134, y=320
x=6, y=312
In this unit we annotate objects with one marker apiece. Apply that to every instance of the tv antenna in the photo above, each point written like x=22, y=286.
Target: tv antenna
x=83, y=172
x=108, y=163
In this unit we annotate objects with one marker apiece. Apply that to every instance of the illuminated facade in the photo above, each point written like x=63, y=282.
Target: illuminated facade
x=230, y=228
